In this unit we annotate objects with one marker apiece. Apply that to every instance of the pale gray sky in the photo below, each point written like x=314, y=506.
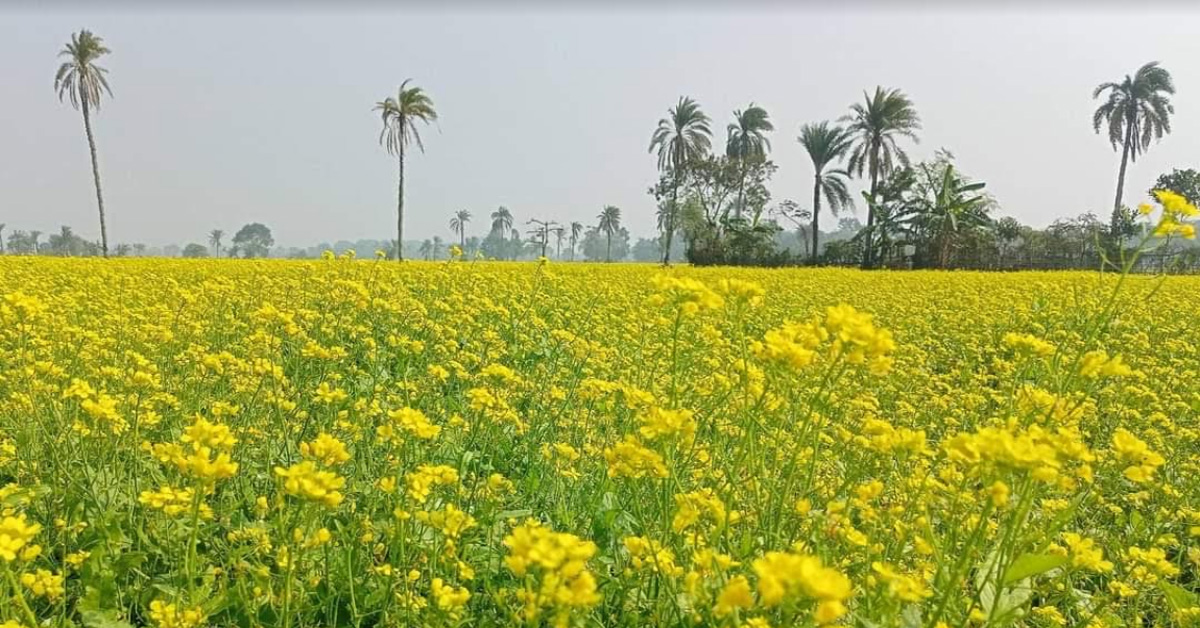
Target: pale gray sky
x=222, y=117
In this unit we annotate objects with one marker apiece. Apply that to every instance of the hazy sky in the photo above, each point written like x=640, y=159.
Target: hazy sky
x=222, y=118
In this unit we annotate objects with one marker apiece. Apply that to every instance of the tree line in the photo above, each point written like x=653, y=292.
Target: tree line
x=718, y=203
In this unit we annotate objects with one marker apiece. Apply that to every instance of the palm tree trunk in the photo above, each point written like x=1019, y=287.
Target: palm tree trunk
x=1121, y=183
x=87, y=125
x=868, y=252
x=741, y=188
x=400, y=209
x=608, y=250
x=671, y=220
x=816, y=221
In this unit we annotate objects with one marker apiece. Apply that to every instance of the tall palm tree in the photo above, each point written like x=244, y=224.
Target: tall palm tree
x=826, y=145
x=576, y=231
x=877, y=124
x=458, y=224
x=747, y=140
x=682, y=137
x=610, y=223
x=400, y=116
x=502, y=220
x=214, y=239
x=83, y=82
x=1137, y=111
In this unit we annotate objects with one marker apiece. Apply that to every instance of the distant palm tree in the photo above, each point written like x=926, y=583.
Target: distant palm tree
x=610, y=223
x=63, y=242
x=682, y=137
x=747, y=140
x=437, y=246
x=214, y=239
x=34, y=236
x=876, y=124
x=1137, y=111
x=576, y=231
x=458, y=224
x=502, y=222
x=826, y=145
x=516, y=244
x=81, y=81
x=426, y=249
x=400, y=116
x=559, y=233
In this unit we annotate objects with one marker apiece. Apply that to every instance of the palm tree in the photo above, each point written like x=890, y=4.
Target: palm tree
x=1137, y=111
x=576, y=231
x=426, y=249
x=502, y=220
x=214, y=239
x=559, y=233
x=610, y=222
x=682, y=137
x=747, y=140
x=516, y=244
x=437, y=246
x=63, y=242
x=400, y=116
x=876, y=124
x=34, y=236
x=826, y=145
x=953, y=205
x=458, y=224
x=82, y=81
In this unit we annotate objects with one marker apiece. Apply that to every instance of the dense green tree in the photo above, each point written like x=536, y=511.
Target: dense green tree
x=254, y=240
x=877, y=124
x=400, y=115
x=1136, y=111
x=826, y=145
x=195, y=250
x=1185, y=183
x=681, y=138
x=597, y=246
x=83, y=82
x=947, y=206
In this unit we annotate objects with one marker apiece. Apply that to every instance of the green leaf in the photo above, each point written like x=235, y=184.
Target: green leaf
x=1029, y=565
x=513, y=514
x=104, y=619
x=1178, y=597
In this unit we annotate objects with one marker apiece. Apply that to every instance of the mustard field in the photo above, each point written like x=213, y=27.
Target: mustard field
x=363, y=443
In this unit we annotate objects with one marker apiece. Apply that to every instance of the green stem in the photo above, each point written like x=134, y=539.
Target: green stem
x=19, y=595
